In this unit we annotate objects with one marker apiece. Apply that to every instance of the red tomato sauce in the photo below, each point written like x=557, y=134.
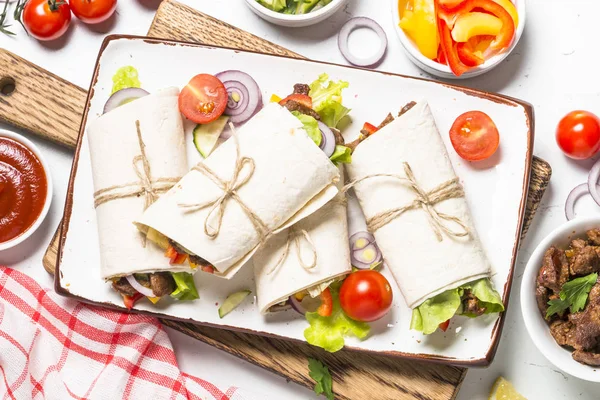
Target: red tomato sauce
x=23, y=188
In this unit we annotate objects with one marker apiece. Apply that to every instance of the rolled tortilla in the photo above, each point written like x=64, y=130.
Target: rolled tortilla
x=422, y=266
x=114, y=143
x=328, y=231
x=292, y=179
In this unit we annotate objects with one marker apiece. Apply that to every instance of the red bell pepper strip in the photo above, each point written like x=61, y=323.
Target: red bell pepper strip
x=326, y=307
x=297, y=97
x=467, y=56
x=507, y=33
x=449, y=4
x=449, y=49
x=174, y=257
x=444, y=325
x=208, y=268
x=441, y=57
x=129, y=301
x=369, y=129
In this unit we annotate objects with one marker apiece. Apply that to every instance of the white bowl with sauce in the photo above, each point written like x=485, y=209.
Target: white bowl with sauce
x=538, y=329
x=443, y=71
x=296, y=21
x=35, y=224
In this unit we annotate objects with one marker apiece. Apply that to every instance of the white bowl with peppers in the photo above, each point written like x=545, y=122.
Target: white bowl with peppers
x=458, y=39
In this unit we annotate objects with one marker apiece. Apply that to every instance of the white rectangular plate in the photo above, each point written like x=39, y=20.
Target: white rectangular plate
x=496, y=192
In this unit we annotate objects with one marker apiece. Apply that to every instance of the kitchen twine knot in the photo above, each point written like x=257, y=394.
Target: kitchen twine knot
x=229, y=188
x=146, y=186
x=426, y=200
x=294, y=237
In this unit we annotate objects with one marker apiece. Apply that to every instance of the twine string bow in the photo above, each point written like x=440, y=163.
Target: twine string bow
x=294, y=237
x=218, y=205
x=425, y=200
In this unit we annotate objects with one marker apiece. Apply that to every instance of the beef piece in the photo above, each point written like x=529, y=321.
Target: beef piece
x=563, y=332
x=162, y=283
x=177, y=247
x=585, y=261
x=293, y=105
x=471, y=305
x=587, y=357
x=122, y=286
x=389, y=118
x=199, y=261
x=407, y=107
x=578, y=244
x=541, y=297
x=587, y=327
x=554, y=272
x=301, y=88
x=339, y=139
x=594, y=236
x=594, y=295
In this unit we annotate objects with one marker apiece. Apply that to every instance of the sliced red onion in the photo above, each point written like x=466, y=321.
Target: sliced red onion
x=139, y=287
x=361, y=235
x=123, y=96
x=348, y=28
x=361, y=261
x=575, y=194
x=307, y=304
x=593, y=182
x=327, y=139
x=245, y=98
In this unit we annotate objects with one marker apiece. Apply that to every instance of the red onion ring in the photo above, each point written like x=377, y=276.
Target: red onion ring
x=123, y=96
x=361, y=235
x=348, y=28
x=307, y=304
x=139, y=287
x=575, y=194
x=250, y=101
x=593, y=182
x=327, y=139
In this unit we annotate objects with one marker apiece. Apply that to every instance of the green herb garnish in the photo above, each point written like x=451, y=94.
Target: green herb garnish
x=320, y=373
x=573, y=295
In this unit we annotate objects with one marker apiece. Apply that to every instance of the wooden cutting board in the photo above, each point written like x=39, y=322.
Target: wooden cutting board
x=356, y=375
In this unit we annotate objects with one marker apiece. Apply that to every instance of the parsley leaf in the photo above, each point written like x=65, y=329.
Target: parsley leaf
x=320, y=373
x=573, y=295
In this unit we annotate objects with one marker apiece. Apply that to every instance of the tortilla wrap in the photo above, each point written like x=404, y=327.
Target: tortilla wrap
x=113, y=141
x=328, y=230
x=422, y=266
x=292, y=178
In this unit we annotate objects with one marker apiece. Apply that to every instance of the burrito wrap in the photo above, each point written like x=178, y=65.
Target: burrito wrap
x=422, y=266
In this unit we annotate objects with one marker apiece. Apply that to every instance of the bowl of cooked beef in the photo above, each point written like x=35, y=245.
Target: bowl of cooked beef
x=560, y=297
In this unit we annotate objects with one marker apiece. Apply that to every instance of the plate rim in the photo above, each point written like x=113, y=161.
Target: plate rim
x=440, y=359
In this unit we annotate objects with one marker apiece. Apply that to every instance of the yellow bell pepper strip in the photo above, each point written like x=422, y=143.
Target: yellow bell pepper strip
x=449, y=49
x=421, y=26
x=475, y=24
x=511, y=9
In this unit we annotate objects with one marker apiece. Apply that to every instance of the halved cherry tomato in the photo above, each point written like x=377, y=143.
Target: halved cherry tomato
x=46, y=19
x=366, y=295
x=129, y=301
x=444, y=325
x=578, y=134
x=474, y=136
x=300, y=98
x=468, y=56
x=369, y=128
x=203, y=99
x=326, y=306
x=93, y=11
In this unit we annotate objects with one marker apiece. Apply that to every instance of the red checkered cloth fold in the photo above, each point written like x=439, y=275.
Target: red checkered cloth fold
x=57, y=348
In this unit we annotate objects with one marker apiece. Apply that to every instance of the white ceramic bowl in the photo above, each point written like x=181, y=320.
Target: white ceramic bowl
x=443, y=71
x=536, y=326
x=296, y=21
x=27, y=143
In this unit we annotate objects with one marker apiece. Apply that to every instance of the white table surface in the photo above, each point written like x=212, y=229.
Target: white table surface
x=553, y=67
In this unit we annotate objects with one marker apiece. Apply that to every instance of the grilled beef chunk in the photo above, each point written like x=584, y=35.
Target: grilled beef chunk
x=542, y=298
x=587, y=328
x=301, y=88
x=563, y=332
x=594, y=295
x=587, y=357
x=162, y=283
x=555, y=271
x=293, y=105
x=339, y=139
x=578, y=244
x=199, y=261
x=594, y=236
x=406, y=108
x=122, y=286
x=585, y=261
x=471, y=305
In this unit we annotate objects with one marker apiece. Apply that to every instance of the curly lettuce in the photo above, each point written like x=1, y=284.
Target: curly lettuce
x=327, y=99
x=311, y=126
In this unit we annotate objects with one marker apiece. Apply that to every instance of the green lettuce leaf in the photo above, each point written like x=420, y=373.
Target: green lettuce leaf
x=327, y=99
x=275, y=5
x=125, y=77
x=186, y=288
x=432, y=312
x=341, y=155
x=311, y=126
x=328, y=332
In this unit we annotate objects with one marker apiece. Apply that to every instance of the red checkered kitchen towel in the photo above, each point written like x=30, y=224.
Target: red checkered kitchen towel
x=57, y=348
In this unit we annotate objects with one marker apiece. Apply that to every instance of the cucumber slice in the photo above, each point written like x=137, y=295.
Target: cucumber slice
x=206, y=135
x=232, y=301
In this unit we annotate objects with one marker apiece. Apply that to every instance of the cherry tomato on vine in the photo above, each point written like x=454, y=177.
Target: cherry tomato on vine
x=46, y=19
x=366, y=295
x=578, y=134
x=93, y=11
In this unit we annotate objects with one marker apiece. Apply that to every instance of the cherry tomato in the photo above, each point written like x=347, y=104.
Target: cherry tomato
x=203, y=99
x=93, y=11
x=474, y=136
x=444, y=325
x=366, y=295
x=578, y=134
x=46, y=19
